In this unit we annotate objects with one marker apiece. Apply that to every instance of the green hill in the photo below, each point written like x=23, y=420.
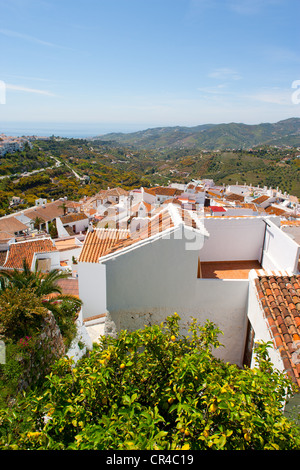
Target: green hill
x=212, y=136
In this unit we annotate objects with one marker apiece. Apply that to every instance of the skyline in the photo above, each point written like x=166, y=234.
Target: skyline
x=129, y=65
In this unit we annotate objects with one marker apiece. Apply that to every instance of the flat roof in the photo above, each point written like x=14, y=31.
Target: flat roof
x=228, y=269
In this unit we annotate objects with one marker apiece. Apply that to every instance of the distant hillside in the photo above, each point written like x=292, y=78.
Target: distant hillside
x=212, y=136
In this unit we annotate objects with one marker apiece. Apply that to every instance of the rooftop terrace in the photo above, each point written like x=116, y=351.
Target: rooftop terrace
x=228, y=269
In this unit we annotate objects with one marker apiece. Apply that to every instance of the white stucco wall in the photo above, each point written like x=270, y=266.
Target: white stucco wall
x=80, y=225
x=53, y=255
x=92, y=288
x=67, y=255
x=150, y=283
x=199, y=197
x=233, y=239
x=149, y=198
x=280, y=251
x=61, y=231
x=239, y=211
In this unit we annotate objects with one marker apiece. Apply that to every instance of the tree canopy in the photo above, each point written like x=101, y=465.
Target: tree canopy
x=154, y=388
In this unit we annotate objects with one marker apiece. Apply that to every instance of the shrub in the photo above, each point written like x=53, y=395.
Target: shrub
x=21, y=313
x=155, y=389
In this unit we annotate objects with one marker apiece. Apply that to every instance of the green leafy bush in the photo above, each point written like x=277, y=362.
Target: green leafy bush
x=154, y=389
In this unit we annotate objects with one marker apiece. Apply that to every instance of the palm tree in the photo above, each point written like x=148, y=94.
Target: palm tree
x=38, y=221
x=64, y=207
x=45, y=287
x=41, y=283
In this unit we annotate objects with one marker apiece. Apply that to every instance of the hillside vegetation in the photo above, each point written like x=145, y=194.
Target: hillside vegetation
x=74, y=168
x=213, y=136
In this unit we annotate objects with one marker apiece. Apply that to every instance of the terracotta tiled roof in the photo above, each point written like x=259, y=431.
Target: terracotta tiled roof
x=174, y=200
x=103, y=242
x=149, y=208
x=163, y=191
x=261, y=199
x=249, y=206
x=73, y=204
x=26, y=250
x=69, y=218
x=69, y=286
x=3, y=255
x=6, y=236
x=293, y=223
x=166, y=219
x=215, y=194
x=280, y=299
x=48, y=212
x=117, y=192
x=98, y=243
x=234, y=197
x=277, y=211
x=11, y=225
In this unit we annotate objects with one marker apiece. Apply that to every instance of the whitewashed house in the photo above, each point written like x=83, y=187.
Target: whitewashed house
x=180, y=263
x=40, y=252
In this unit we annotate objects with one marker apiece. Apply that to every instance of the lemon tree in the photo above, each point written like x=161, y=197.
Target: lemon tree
x=154, y=388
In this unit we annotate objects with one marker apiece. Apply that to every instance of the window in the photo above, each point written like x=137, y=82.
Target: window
x=199, y=271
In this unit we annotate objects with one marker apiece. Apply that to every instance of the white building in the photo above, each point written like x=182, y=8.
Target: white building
x=40, y=252
x=195, y=267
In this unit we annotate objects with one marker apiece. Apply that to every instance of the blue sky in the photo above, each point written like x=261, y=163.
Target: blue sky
x=132, y=64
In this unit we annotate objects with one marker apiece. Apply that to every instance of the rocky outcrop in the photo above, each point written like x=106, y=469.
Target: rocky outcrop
x=47, y=347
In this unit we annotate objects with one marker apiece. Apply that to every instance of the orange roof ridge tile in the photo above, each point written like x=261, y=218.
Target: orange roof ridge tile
x=99, y=241
x=279, y=296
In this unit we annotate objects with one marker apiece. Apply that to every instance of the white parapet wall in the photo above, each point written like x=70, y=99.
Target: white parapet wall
x=281, y=252
x=92, y=289
x=148, y=284
x=233, y=239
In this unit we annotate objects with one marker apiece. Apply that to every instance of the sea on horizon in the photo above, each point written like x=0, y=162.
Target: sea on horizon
x=79, y=131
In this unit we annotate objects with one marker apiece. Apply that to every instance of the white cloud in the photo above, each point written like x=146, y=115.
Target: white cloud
x=8, y=86
x=251, y=7
x=27, y=37
x=225, y=73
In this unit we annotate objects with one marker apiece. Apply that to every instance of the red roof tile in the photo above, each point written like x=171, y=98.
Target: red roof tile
x=234, y=197
x=280, y=300
x=217, y=209
x=261, y=199
x=103, y=242
x=69, y=286
x=26, y=250
x=46, y=212
x=163, y=191
x=69, y=218
x=99, y=242
x=276, y=211
x=11, y=225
